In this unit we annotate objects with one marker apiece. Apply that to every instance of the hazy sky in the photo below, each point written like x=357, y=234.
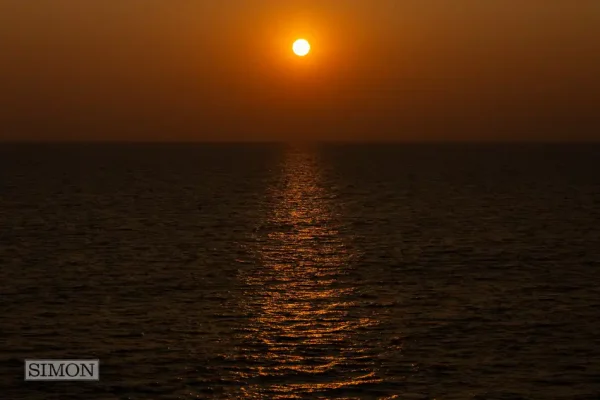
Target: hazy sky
x=223, y=70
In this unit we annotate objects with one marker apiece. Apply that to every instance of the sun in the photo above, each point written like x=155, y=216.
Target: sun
x=301, y=47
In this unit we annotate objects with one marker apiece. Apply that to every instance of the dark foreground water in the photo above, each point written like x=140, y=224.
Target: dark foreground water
x=272, y=271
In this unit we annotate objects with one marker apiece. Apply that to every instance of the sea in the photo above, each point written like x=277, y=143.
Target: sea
x=302, y=271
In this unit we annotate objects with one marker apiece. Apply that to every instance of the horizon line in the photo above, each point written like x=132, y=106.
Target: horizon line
x=352, y=142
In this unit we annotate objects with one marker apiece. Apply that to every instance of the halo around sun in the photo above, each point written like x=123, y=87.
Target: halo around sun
x=301, y=47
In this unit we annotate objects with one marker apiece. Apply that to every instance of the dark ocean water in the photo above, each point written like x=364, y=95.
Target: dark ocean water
x=280, y=272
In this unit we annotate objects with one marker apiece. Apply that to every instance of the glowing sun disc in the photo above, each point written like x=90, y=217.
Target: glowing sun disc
x=301, y=47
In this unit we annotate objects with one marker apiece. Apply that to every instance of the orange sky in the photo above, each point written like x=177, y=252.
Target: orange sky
x=223, y=70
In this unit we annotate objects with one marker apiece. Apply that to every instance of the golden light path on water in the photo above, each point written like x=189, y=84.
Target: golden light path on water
x=303, y=338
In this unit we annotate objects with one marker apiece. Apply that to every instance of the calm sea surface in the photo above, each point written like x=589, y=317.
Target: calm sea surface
x=282, y=272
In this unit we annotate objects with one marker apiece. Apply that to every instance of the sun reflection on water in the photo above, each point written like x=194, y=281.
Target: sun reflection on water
x=302, y=334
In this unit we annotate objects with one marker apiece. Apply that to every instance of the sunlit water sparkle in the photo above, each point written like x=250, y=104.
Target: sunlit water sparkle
x=333, y=271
